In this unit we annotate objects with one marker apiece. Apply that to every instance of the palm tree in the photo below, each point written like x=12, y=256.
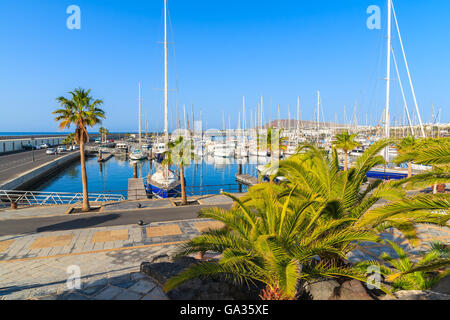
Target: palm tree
x=405, y=274
x=69, y=140
x=406, y=149
x=104, y=133
x=432, y=152
x=319, y=212
x=346, y=142
x=179, y=153
x=273, y=241
x=343, y=194
x=82, y=111
x=273, y=141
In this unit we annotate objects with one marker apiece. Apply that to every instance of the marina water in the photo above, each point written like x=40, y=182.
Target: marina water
x=209, y=175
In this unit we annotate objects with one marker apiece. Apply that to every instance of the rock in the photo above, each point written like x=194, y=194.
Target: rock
x=215, y=288
x=417, y=295
x=162, y=271
x=321, y=290
x=442, y=286
x=351, y=290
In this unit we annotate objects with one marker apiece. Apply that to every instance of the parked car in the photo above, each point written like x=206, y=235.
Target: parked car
x=45, y=146
x=29, y=147
x=50, y=151
x=61, y=149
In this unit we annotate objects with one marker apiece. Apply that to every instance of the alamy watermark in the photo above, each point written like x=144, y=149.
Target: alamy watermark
x=374, y=277
x=74, y=279
x=74, y=20
x=374, y=20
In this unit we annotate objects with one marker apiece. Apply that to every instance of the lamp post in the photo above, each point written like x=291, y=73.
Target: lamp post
x=32, y=147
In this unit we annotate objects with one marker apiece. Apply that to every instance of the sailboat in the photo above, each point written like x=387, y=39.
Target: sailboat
x=138, y=154
x=164, y=183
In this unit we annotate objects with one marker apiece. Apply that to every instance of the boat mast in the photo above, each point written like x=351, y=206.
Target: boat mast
x=140, y=135
x=166, y=81
x=243, y=115
x=318, y=111
x=388, y=73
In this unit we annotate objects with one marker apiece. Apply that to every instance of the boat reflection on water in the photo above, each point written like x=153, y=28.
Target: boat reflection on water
x=221, y=163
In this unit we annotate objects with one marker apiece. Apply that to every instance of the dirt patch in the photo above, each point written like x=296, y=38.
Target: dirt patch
x=80, y=210
x=189, y=203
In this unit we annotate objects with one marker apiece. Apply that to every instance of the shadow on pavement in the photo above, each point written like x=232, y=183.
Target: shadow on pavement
x=79, y=223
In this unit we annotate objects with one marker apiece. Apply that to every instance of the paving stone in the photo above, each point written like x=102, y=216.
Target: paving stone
x=74, y=296
x=108, y=293
x=156, y=294
x=119, y=279
x=46, y=291
x=18, y=295
x=128, y=295
x=143, y=286
x=92, y=290
x=95, y=282
x=125, y=285
x=137, y=276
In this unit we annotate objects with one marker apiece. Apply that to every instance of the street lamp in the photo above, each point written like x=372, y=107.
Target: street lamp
x=32, y=147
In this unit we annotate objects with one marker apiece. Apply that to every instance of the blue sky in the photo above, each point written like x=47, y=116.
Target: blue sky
x=223, y=50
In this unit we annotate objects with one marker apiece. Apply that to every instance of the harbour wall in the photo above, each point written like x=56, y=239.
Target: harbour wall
x=29, y=178
x=13, y=145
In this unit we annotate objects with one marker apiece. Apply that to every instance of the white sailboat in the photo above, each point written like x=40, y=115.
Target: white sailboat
x=164, y=183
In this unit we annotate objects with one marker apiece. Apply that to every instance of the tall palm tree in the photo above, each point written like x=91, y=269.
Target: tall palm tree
x=104, y=133
x=179, y=153
x=272, y=241
x=406, y=147
x=82, y=111
x=346, y=142
x=69, y=140
x=273, y=141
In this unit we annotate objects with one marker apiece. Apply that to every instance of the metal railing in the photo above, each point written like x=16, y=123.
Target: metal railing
x=37, y=198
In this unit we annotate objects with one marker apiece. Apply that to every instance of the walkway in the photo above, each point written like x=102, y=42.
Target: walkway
x=36, y=266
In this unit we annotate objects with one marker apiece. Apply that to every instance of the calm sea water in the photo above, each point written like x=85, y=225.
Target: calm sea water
x=208, y=176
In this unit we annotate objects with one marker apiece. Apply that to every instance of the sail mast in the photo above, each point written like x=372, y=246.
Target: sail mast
x=140, y=135
x=388, y=71
x=166, y=80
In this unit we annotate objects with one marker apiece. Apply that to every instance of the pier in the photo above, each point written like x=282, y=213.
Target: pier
x=136, y=189
x=105, y=157
x=246, y=179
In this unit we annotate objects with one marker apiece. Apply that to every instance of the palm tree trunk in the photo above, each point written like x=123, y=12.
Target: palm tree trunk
x=409, y=169
x=86, y=206
x=183, y=186
x=345, y=160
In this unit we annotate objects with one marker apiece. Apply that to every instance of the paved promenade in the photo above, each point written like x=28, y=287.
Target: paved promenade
x=38, y=264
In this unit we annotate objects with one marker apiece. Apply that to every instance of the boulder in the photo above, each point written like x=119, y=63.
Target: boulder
x=442, y=286
x=321, y=290
x=351, y=290
x=417, y=295
x=216, y=288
